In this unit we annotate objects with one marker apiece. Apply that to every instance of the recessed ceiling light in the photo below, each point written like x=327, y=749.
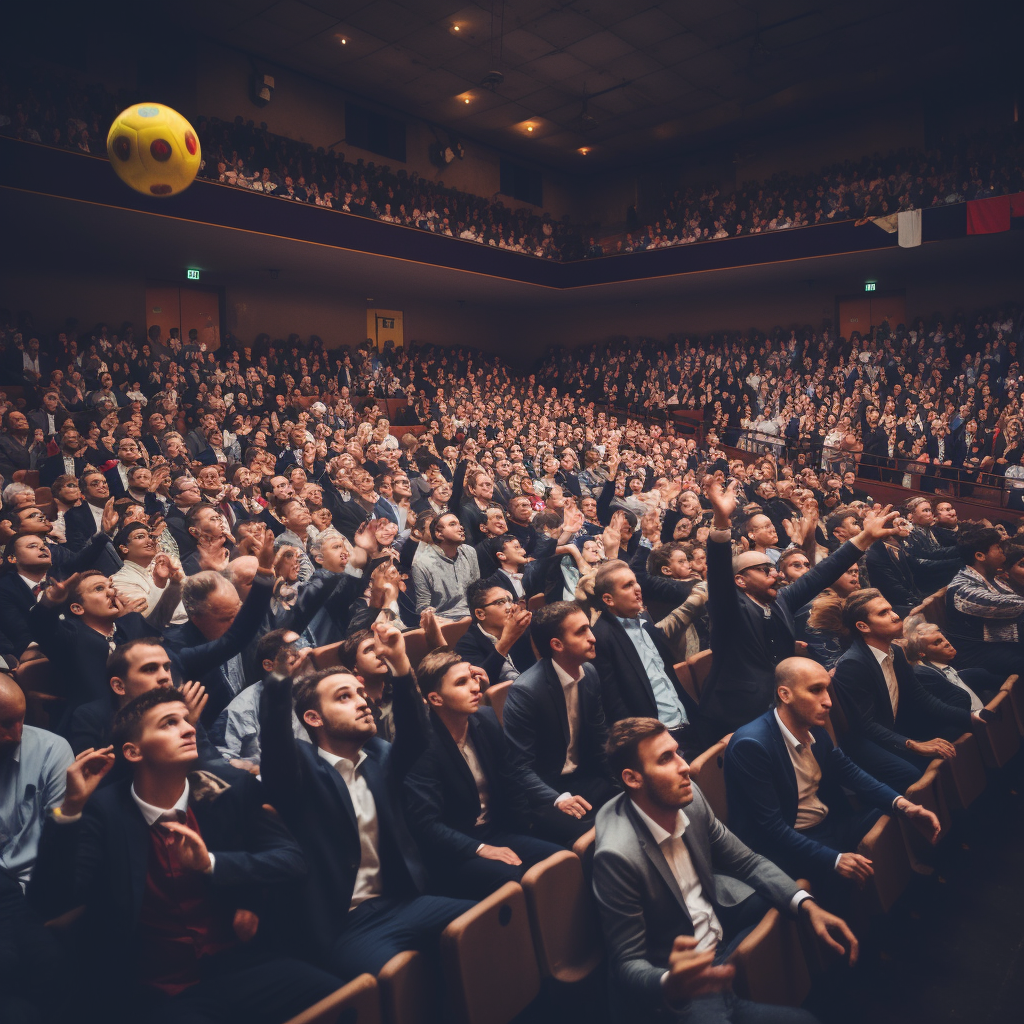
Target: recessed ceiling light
x=343, y=40
x=583, y=150
x=529, y=127
x=455, y=28
x=466, y=100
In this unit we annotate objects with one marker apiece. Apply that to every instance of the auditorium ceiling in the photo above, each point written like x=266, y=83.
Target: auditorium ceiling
x=627, y=80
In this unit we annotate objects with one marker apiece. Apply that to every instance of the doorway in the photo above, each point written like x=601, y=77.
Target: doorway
x=172, y=306
x=863, y=312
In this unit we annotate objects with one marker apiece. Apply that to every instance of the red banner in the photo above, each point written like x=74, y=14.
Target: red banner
x=986, y=216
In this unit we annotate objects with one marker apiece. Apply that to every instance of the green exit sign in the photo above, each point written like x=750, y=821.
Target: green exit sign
x=193, y=275
x=869, y=286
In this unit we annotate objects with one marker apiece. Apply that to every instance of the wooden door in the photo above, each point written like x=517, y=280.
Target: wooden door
x=163, y=309
x=200, y=310
x=854, y=315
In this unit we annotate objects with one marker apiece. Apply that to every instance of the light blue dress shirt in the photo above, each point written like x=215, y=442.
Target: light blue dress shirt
x=671, y=712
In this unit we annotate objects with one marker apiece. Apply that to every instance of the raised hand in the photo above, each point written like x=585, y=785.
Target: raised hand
x=572, y=522
x=266, y=552
x=878, y=524
x=390, y=644
x=108, y=521
x=84, y=776
x=723, y=501
x=195, y=697
x=517, y=623
x=189, y=847
x=57, y=591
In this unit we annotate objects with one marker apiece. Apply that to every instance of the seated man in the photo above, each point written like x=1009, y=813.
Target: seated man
x=146, y=574
x=475, y=837
x=785, y=781
x=172, y=866
x=633, y=657
x=933, y=655
x=237, y=729
x=895, y=725
x=363, y=900
x=933, y=563
x=982, y=612
x=33, y=765
x=442, y=573
x=498, y=641
x=673, y=908
x=365, y=656
x=555, y=725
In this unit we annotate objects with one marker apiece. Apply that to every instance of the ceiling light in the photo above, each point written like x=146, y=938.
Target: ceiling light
x=529, y=127
x=455, y=28
x=466, y=100
x=343, y=40
x=583, y=150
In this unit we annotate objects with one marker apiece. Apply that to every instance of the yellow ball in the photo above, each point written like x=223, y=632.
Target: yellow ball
x=153, y=149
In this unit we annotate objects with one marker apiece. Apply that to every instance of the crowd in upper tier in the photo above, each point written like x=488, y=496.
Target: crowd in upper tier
x=246, y=155
x=218, y=565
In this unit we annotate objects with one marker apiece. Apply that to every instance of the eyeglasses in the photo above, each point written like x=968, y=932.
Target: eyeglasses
x=766, y=567
x=507, y=599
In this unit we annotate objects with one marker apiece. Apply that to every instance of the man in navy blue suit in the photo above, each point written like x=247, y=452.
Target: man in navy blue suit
x=785, y=781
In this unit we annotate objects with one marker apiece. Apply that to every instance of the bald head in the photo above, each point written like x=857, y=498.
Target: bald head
x=801, y=686
x=792, y=671
x=12, y=714
x=745, y=559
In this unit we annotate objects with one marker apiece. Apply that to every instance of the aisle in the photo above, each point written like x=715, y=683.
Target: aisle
x=952, y=949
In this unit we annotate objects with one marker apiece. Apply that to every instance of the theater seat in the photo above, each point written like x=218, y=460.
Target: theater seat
x=535, y=602
x=355, y=1003
x=408, y=992
x=44, y=705
x=584, y=849
x=495, y=696
x=416, y=646
x=837, y=717
x=885, y=848
x=770, y=963
x=708, y=771
x=933, y=608
x=700, y=669
x=563, y=918
x=43, y=496
x=327, y=656
x=489, y=966
x=1015, y=688
x=999, y=739
x=27, y=476
x=963, y=777
x=686, y=680
x=452, y=631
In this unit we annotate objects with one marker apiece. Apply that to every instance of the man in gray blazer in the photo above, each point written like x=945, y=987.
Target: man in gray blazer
x=676, y=892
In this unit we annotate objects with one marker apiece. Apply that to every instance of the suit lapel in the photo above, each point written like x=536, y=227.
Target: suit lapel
x=136, y=840
x=454, y=755
x=868, y=657
x=632, y=656
x=653, y=853
x=557, y=695
x=781, y=753
x=337, y=783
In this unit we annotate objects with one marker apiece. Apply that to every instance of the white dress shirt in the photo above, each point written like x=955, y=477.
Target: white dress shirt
x=31, y=584
x=97, y=514
x=885, y=659
x=516, y=579
x=483, y=791
x=952, y=675
x=368, y=878
x=707, y=929
x=570, y=689
x=153, y=814
x=810, y=810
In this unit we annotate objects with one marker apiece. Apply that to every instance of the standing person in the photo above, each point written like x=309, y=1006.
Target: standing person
x=753, y=624
x=676, y=890
x=466, y=801
x=340, y=795
x=555, y=724
x=171, y=866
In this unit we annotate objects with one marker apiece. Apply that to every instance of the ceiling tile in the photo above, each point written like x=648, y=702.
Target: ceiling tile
x=563, y=28
x=524, y=45
x=610, y=12
x=386, y=20
x=697, y=12
x=436, y=85
x=661, y=86
x=435, y=43
x=336, y=8
x=545, y=100
x=554, y=67
x=599, y=48
x=297, y=17
x=499, y=117
x=647, y=28
x=634, y=65
x=677, y=49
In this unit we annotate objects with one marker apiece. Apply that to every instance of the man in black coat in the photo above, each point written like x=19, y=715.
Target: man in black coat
x=466, y=801
x=895, y=725
x=555, y=724
x=969, y=688
x=634, y=660
x=753, y=624
x=363, y=900
x=135, y=852
x=889, y=570
x=498, y=639
x=66, y=462
x=83, y=522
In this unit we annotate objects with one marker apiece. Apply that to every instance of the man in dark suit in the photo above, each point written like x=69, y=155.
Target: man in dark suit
x=50, y=414
x=932, y=563
x=785, y=782
x=83, y=522
x=969, y=688
x=555, y=725
x=78, y=623
x=363, y=901
x=676, y=890
x=138, y=852
x=633, y=658
x=524, y=575
x=498, y=640
x=466, y=801
x=895, y=726
x=889, y=570
x=209, y=647
x=753, y=624
x=128, y=457
x=66, y=462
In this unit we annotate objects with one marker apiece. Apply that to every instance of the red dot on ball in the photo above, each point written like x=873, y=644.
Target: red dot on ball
x=190, y=143
x=122, y=148
x=160, y=190
x=161, y=149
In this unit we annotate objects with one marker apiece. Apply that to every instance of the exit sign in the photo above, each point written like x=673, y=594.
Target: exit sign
x=869, y=286
x=193, y=275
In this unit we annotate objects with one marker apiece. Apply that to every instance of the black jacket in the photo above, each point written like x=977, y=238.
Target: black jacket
x=537, y=729
x=314, y=802
x=479, y=650
x=79, y=526
x=742, y=680
x=53, y=467
x=941, y=688
x=441, y=800
x=860, y=686
x=890, y=571
x=101, y=861
x=625, y=687
x=932, y=564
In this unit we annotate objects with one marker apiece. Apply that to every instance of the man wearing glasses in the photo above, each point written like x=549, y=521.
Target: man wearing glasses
x=752, y=619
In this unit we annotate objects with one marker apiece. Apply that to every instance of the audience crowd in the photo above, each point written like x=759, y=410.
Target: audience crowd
x=443, y=650
x=246, y=155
